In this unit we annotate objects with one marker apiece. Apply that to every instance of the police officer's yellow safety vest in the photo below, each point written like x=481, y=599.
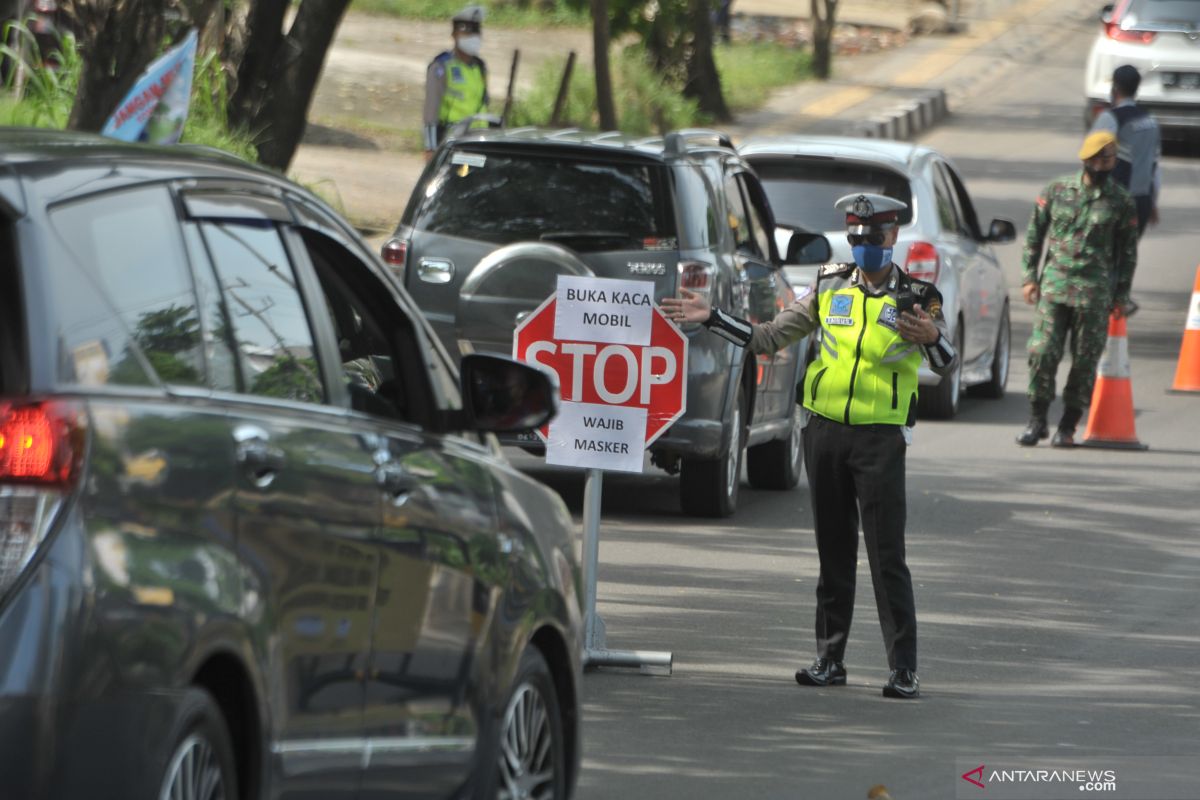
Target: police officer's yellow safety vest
x=864, y=372
x=466, y=90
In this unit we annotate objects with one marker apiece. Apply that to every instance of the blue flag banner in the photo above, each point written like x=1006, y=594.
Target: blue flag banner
x=156, y=107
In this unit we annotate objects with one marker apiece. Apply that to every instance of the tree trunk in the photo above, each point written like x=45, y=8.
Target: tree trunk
x=278, y=73
x=600, y=47
x=823, y=16
x=118, y=40
x=703, y=80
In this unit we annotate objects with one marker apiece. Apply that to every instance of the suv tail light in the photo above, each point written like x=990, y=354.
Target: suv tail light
x=395, y=254
x=923, y=261
x=1114, y=31
x=40, y=449
x=696, y=276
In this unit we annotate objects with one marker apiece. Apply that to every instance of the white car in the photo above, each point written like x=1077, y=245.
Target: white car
x=1162, y=39
x=940, y=240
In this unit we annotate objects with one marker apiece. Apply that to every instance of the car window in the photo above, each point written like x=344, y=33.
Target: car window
x=739, y=219
x=369, y=362
x=966, y=209
x=698, y=217
x=1183, y=14
x=12, y=327
x=214, y=316
x=947, y=216
x=126, y=305
x=802, y=191
x=758, y=220
x=275, y=346
x=588, y=205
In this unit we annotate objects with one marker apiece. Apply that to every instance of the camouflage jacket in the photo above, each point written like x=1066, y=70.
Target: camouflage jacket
x=1092, y=250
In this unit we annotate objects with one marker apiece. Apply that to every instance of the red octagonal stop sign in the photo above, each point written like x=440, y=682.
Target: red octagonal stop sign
x=653, y=377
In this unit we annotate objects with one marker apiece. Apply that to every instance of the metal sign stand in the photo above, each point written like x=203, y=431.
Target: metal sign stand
x=595, y=651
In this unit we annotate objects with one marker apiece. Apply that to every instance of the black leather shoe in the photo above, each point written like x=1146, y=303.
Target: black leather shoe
x=822, y=672
x=1035, y=430
x=1063, y=438
x=904, y=685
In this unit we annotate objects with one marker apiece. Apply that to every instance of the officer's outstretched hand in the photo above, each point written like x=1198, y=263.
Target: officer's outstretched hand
x=688, y=307
x=917, y=326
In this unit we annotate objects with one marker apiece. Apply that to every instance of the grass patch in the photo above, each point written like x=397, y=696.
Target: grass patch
x=504, y=14
x=645, y=104
x=750, y=70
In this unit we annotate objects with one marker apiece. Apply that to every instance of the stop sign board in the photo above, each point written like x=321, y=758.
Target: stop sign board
x=628, y=363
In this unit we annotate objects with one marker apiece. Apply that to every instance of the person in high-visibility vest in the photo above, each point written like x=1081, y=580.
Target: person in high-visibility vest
x=456, y=81
x=874, y=325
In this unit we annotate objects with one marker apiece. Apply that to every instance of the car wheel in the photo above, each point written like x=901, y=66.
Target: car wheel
x=994, y=388
x=776, y=465
x=201, y=765
x=708, y=487
x=941, y=401
x=532, y=760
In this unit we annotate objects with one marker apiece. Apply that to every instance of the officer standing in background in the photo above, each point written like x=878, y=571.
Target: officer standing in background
x=1139, y=147
x=456, y=81
x=1091, y=223
x=873, y=325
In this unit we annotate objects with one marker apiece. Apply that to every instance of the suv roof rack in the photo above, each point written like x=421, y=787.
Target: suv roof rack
x=676, y=142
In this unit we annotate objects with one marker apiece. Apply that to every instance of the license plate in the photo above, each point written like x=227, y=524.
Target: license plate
x=1181, y=80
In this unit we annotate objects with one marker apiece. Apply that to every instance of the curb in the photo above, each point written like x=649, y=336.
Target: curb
x=907, y=119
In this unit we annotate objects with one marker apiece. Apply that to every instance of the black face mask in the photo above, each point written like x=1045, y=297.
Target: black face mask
x=1098, y=177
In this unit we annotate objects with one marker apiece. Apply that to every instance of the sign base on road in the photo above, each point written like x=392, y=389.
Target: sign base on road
x=595, y=651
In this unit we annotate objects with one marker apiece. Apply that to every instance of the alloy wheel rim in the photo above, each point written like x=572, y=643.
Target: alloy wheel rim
x=526, y=748
x=795, y=442
x=194, y=773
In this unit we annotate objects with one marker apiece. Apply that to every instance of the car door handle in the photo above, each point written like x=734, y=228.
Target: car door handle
x=397, y=484
x=256, y=456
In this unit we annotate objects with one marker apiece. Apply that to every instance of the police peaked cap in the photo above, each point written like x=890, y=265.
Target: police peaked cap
x=869, y=212
x=471, y=15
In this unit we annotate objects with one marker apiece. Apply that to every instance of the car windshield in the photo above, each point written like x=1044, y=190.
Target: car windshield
x=802, y=191
x=505, y=197
x=1166, y=13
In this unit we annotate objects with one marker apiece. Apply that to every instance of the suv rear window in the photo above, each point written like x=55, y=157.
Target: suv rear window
x=12, y=337
x=585, y=204
x=802, y=191
x=1183, y=14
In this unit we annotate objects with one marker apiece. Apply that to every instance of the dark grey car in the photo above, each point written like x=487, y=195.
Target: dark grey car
x=254, y=538
x=498, y=215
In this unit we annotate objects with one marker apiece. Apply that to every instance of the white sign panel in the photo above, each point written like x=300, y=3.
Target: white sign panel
x=598, y=437
x=603, y=310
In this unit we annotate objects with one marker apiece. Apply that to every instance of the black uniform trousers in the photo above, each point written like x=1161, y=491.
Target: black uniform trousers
x=853, y=471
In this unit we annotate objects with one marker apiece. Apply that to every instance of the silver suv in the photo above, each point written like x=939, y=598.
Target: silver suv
x=498, y=215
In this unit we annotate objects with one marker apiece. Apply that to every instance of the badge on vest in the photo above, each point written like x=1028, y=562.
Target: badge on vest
x=456, y=74
x=839, y=310
x=887, y=317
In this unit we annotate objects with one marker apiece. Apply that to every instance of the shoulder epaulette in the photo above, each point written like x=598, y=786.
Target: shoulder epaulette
x=834, y=269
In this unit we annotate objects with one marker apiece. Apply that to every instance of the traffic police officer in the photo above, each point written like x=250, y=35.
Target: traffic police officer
x=456, y=81
x=873, y=325
x=1088, y=226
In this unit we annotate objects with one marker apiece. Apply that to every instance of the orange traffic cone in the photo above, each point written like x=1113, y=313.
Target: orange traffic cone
x=1110, y=421
x=1187, y=373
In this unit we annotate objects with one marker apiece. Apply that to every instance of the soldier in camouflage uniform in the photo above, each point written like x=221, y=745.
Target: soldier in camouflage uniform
x=1090, y=258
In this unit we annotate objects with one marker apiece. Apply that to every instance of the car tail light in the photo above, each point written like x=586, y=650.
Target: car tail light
x=697, y=277
x=395, y=254
x=923, y=262
x=40, y=449
x=1114, y=31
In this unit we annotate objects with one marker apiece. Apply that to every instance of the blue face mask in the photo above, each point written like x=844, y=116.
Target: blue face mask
x=871, y=257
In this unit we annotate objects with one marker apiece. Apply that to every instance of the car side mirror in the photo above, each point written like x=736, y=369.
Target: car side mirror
x=1106, y=14
x=1001, y=231
x=808, y=248
x=502, y=395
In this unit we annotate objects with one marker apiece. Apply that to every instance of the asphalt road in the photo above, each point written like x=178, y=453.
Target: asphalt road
x=1058, y=592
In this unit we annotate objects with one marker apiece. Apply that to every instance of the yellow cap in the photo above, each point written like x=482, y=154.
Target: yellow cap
x=1094, y=143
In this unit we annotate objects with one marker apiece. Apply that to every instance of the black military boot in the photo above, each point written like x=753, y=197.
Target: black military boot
x=822, y=672
x=1035, y=430
x=1065, y=435
x=903, y=685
